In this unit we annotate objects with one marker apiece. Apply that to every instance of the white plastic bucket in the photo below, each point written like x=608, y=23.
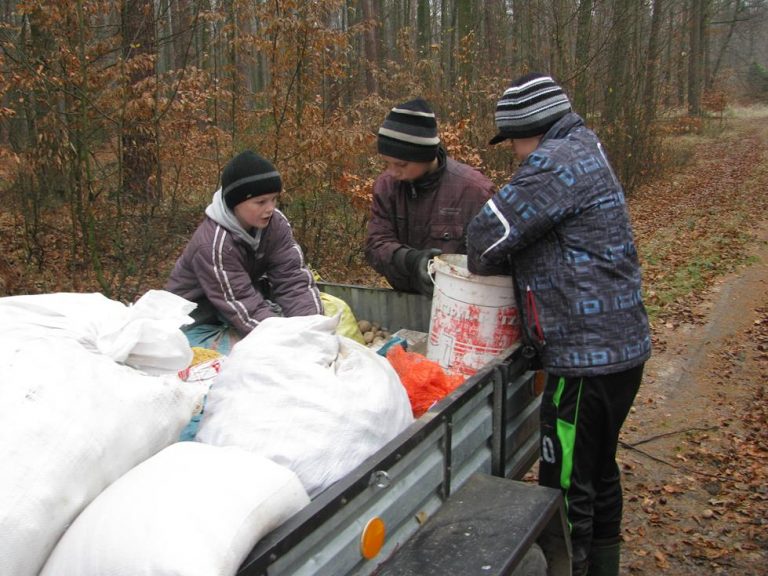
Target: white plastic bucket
x=473, y=318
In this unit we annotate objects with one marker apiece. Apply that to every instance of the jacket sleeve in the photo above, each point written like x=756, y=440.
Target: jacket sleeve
x=381, y=240
x=476, y=197
x=291, y=282
x=523, y=211
x=223, y=276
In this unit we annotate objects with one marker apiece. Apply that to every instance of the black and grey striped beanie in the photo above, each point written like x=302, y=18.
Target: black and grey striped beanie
x=248, y=175
x=409, y=132
x=529, y=107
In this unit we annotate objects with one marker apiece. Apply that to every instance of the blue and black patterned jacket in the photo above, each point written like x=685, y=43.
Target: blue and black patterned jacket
x=561, y=228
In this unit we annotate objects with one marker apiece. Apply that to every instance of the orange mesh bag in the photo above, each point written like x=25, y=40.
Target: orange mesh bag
x=424, y=380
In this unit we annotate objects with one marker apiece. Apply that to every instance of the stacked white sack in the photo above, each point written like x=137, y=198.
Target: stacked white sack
x=144, y=335
x=190, y=510
x=72, y=420
x=295, y=392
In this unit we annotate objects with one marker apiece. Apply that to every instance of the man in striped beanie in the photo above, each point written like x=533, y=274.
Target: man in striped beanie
x=422, y=201
x=561, y=228
x=527, y=110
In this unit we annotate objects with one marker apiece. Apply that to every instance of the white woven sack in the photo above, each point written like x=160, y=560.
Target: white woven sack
x=71, y=422
x=310, y=400
x=148, y=336
x=144, y=335
x=191, y=510
x=65, y=315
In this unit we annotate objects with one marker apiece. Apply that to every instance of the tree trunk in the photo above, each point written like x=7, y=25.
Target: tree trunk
x=423, y=27
x=140, y=164
x=669, y=60
x=453, y=45
x=652, y=63
x=583, y=72
x=522, y=36
x=683, y=54
x=371, y=44
x=493, y=36
x=695, y=59
x=245, y=55
x=618, y=49
x=465, y=26
x=738, y=8
x=560, y=39
x=446, y=43
x=183, y=21
x=705, y=43
x=6, y=38
x=165, y=44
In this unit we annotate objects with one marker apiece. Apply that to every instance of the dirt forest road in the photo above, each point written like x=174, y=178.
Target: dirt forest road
x=694, y=450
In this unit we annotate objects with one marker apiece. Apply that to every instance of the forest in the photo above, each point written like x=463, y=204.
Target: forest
x=117, y=117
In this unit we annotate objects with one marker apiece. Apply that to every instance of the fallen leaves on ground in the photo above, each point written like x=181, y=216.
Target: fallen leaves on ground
x=696, y=497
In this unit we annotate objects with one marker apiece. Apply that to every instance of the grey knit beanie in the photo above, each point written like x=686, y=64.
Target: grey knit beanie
x=409, y=132
x=529, y=107
x=248, y=175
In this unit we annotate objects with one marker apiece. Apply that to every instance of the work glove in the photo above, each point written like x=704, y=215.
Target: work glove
x=415, y=262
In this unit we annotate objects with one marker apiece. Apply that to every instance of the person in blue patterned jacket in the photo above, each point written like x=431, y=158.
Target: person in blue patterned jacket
x=561, y=228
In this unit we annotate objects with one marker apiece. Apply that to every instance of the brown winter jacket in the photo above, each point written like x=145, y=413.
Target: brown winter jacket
x=220, y=272
x=432, y=212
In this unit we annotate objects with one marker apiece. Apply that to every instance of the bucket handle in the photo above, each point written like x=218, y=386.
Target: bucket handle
x=431, y=270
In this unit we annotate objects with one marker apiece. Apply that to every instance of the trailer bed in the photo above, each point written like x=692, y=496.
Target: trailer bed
x=489, y=425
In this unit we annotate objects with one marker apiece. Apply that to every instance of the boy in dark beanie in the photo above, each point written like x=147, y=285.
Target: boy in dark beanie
x=561, y=228
x=243, y=240
x=423, y=200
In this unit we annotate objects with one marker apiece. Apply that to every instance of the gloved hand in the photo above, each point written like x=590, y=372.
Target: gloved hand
x=416, y=263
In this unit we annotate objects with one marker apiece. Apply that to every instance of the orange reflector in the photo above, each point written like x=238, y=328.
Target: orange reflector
x=372, y=538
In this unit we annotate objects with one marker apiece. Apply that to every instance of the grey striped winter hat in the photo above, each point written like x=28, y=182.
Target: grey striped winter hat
x=248, y=175
x=529, y=107
x=409, y=132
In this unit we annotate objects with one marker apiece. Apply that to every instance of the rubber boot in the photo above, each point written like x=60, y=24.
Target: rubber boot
x=580, y=568
x=604, y=557
x=580, y=559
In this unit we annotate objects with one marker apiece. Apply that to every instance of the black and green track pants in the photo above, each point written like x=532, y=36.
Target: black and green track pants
x=580, y=422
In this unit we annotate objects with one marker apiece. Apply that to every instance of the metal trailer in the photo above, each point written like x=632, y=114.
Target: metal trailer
x=487, y=427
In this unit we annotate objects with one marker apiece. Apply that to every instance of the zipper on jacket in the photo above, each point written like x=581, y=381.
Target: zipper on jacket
x=533, y=315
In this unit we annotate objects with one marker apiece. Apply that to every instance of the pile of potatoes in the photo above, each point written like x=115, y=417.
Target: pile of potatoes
x=373, y=334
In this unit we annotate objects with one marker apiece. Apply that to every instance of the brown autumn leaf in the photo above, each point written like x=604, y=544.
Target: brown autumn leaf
x=670, y=489
x=661, y=560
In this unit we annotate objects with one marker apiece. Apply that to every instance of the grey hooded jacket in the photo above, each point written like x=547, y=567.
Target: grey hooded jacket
x=223, y=264
x=561, y=228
